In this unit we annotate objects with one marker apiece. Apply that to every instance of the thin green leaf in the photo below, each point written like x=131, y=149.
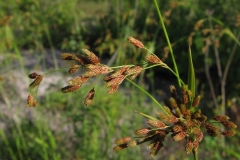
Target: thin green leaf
x=230, y=34
x=191, y=74
x=147, y=116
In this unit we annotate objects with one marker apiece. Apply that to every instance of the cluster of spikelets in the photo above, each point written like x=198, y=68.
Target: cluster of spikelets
x=182, y=120
x=90, y=64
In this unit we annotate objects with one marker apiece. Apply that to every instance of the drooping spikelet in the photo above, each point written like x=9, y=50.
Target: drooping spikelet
x=135, y=42
x=229, y=124
x=94, y=70
x=33, y=75
x=178, y=136
x=177, y=128
x=211, y=130
x=89, y=97
x=157, y=146
x=119, y=72
x=120, y=147
x=36, y=82
x=73, y=69
x=122, y=140
x=114, y=82
x=156, y=123
x=173, y=91
x=134, y=72
x=196, y=101
x=152, y=58
x=142, y=131
x=78, y=80
x=229, y=133
x=91, y=57
x=31, y=102
x=70, y=88
x=221, y=118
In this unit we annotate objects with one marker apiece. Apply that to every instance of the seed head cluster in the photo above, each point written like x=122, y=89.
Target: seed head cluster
x=179, y=121
x=181, y=118
x=92, y=67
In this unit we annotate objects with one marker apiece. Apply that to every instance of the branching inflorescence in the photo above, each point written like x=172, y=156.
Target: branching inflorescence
x=179, y=118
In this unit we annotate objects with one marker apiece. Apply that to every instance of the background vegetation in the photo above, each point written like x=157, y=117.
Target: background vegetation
x=34, y=33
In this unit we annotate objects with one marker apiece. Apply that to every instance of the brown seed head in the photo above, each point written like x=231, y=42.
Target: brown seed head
x=167, y=109
x=173, y=91
x=163, y=116
x=36, y=82
x=78, y=80
x=112, y=89
x=70, y=88
x=132, y=143
x=135, y=42
x=156, y=123
x=157, y=146
x=152, y=58
x=122, y=140
x=229, y=124
x=189, y=146
x=94, y=70
x=31, y=102
x=121, y=71
x=178, y=136
x=185, y=99
x=120, y=147
x=134, y=72
x=173, y=103
x=172, y=119
x=73, y=69
x=116, y=81
x=196, y=101
x=183, y=109
x=211, y=130
x=199, y=136
x=198, y=24
x=142, y=131
x=229, y=133
x=177, y=128
x=221, y=118
x=92, y=58
x=33, y=75
x=89, y=97
x=68, y=56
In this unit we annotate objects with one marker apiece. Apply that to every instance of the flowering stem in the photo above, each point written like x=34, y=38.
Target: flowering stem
x=148, y=95
x=168, y=41
x=195, y=153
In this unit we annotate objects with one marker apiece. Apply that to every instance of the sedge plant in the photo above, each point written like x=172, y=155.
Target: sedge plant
x=179, y=117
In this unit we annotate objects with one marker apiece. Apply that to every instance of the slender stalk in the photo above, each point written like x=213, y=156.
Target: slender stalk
x=168, y=41
x=140, y=88
x=225, y=73
x=195, y=153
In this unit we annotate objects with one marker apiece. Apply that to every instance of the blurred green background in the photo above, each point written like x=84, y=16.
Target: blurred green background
x=33, y=34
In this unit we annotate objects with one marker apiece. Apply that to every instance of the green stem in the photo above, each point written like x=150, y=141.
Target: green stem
x=140, y=88
x=168, y=41
x=195, y=153
x=57, y=70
